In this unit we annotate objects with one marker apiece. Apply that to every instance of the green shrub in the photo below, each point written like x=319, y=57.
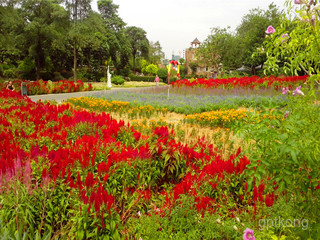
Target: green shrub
x=104, y=79
x=142, y=78
x=27, y=69
x=173, y=79
x=131, y=76
x=45, y=75
x=183, y=71
x=124, y=72
x=10, y=73
x=163, y=73
x=189, y=76
x=151, y=69
x=92, y=74
x=57, y=76
x=66, y=74
x=182, y=222
x=4, y=67
x=117, y=80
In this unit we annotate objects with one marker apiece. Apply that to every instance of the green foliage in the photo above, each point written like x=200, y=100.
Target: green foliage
x=143, y=64
x=151, y=69
x=182, y=222
x=286, y=150
x=293, y=48
x=117, y=80
x=27, y=69
x=162, y=73
x=183, y=71
x=93, y=74
x=10, y=73
x=251, y=31
x=109, y=12
x=155, y=53
x=234, y=49
x=193, y=66
x=38, y=214
x=138, y=41
x=182, y=61
x=57, y=76
x=43, y=32
x=142, y=78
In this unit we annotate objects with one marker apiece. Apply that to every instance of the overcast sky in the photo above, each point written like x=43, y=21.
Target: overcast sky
x=175, y=24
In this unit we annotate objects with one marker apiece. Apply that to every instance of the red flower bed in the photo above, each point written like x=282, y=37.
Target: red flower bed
x=110, y=168
x=45, y=87
x=244, y=82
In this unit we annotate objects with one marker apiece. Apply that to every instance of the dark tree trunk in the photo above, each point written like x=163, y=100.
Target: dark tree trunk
x=74, y=61
x=75, y=19
x=40, y=59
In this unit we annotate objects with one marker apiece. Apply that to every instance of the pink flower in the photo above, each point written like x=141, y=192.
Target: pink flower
x=286, y=114
x=270, y=30
x=313, y=20
x=297, y=1
x=298, y=91
x=285, y=90
x=248, y=234
x=285, y=37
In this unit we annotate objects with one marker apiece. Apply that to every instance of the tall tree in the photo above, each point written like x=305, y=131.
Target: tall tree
x=79, y=10
x=119, y=46
x=235, y=49
x=138, y=41
x=155, y=53
x=11, y=28
x=45, y=21
x=109, y=12
x=251, y=32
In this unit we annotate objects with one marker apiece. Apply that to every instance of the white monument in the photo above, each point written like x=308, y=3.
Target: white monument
x=109, y=85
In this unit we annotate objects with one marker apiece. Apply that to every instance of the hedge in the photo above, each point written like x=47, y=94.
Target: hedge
x=143, y=78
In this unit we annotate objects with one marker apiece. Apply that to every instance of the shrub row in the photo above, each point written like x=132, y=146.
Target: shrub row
x=142, y=78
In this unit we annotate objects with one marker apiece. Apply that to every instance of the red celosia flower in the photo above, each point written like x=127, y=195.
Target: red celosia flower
x=89, y=180
x=255, y=194
x=269, y=199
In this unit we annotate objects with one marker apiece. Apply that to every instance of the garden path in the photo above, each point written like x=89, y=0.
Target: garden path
x=60, y=97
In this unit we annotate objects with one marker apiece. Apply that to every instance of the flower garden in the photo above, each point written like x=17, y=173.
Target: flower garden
x=46, y=87
x=236, y=165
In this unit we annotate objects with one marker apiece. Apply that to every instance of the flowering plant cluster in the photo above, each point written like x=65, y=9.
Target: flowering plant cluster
x=230, y=118
x=85, y=174
x=292, y=48
x=244, y=82
x=46, y=87
x=119, y=107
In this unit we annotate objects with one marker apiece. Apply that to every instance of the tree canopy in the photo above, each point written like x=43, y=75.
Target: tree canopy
x=47, y=38
x=234, y=49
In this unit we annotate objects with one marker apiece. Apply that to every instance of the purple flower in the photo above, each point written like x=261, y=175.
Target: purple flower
x=286, y=114
x=248, y=234
x=297, y=1
x=313, y=20
x=285, y=90
x=297, y=91
x=270, y=30
x=285, y=37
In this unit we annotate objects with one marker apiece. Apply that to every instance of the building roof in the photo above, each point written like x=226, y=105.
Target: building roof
x=195, y=41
